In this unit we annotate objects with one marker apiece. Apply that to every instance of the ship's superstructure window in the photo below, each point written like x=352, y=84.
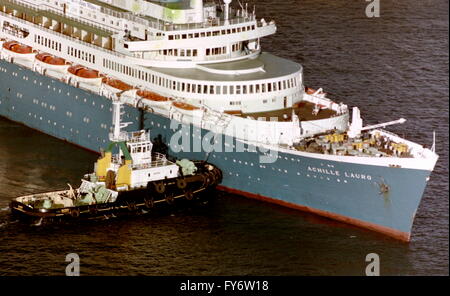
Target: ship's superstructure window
x=44, y=41
x=80, y=54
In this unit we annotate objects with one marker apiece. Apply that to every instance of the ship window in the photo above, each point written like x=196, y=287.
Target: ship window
x=199, y=89
x=223, y=32
x=202, y=34
x=244, y=89
x=170, y=37
x=197, y=35
x=218, y=89
x=269, y=87
x=190, y=36
x=184, y=36
x=225, y=89
x=231, y=89
x=208, y=51
x=238, y=89
x=211, y=89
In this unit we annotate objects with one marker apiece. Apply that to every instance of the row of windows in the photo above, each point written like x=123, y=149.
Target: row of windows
x=211, y=33
x=179, y=52
x=201, y=88
x=216, y=51
x=236, y=46
x=194, y=52
x=47, y=42
x=85, y=56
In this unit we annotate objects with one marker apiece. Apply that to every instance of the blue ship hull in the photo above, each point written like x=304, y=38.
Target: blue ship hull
x=342, y=191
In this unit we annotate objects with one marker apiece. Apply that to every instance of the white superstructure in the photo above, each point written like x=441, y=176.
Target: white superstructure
x=194, y=62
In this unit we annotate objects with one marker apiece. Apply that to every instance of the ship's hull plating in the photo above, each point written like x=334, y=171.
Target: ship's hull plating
x=348, y=192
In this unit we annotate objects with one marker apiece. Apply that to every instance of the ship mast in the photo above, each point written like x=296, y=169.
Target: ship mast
x=118, y=125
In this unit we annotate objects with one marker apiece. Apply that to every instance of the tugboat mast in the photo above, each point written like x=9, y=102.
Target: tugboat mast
x=117, y=123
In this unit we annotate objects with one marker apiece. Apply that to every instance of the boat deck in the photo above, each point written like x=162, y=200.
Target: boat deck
x=304, y=111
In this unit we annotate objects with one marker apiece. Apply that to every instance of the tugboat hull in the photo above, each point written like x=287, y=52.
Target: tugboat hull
x=156, y=195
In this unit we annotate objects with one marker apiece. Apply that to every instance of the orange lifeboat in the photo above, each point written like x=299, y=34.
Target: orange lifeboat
x=152, y=99
x=50, y=59
x=79, y=73
x=83, y=72
x=117, y=84
x=17, y=47
x=151, y=96
x=185, y=106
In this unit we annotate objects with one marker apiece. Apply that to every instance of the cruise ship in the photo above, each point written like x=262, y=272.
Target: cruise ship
x=195, y=75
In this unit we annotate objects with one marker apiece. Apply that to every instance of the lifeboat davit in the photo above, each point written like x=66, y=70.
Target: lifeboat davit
x=79, y=73
x=185, y=108
x=154, y=100
x=311, y=91
x=16, y=49
x=48, y=61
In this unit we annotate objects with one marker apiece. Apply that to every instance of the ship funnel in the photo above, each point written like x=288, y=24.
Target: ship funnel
x=197, y=6
x=355, y=128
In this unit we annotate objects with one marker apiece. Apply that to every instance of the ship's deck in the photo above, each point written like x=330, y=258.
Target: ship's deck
x=272, y=67
x=304, y=111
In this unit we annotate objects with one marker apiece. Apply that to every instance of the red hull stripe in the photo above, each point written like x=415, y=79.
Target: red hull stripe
x=403, y=236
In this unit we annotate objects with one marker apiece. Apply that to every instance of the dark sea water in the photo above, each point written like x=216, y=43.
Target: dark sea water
x=391, y=67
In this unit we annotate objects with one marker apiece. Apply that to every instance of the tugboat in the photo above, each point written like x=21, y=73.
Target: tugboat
x=126, y=182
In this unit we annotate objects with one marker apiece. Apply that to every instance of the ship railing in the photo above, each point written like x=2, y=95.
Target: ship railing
x=63, y=35
x=158, y=160
x=49, y=8
x=166, y=26
x=134, y=137
x=339, y=108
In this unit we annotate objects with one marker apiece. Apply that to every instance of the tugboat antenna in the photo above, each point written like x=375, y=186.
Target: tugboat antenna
x=433, y=147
